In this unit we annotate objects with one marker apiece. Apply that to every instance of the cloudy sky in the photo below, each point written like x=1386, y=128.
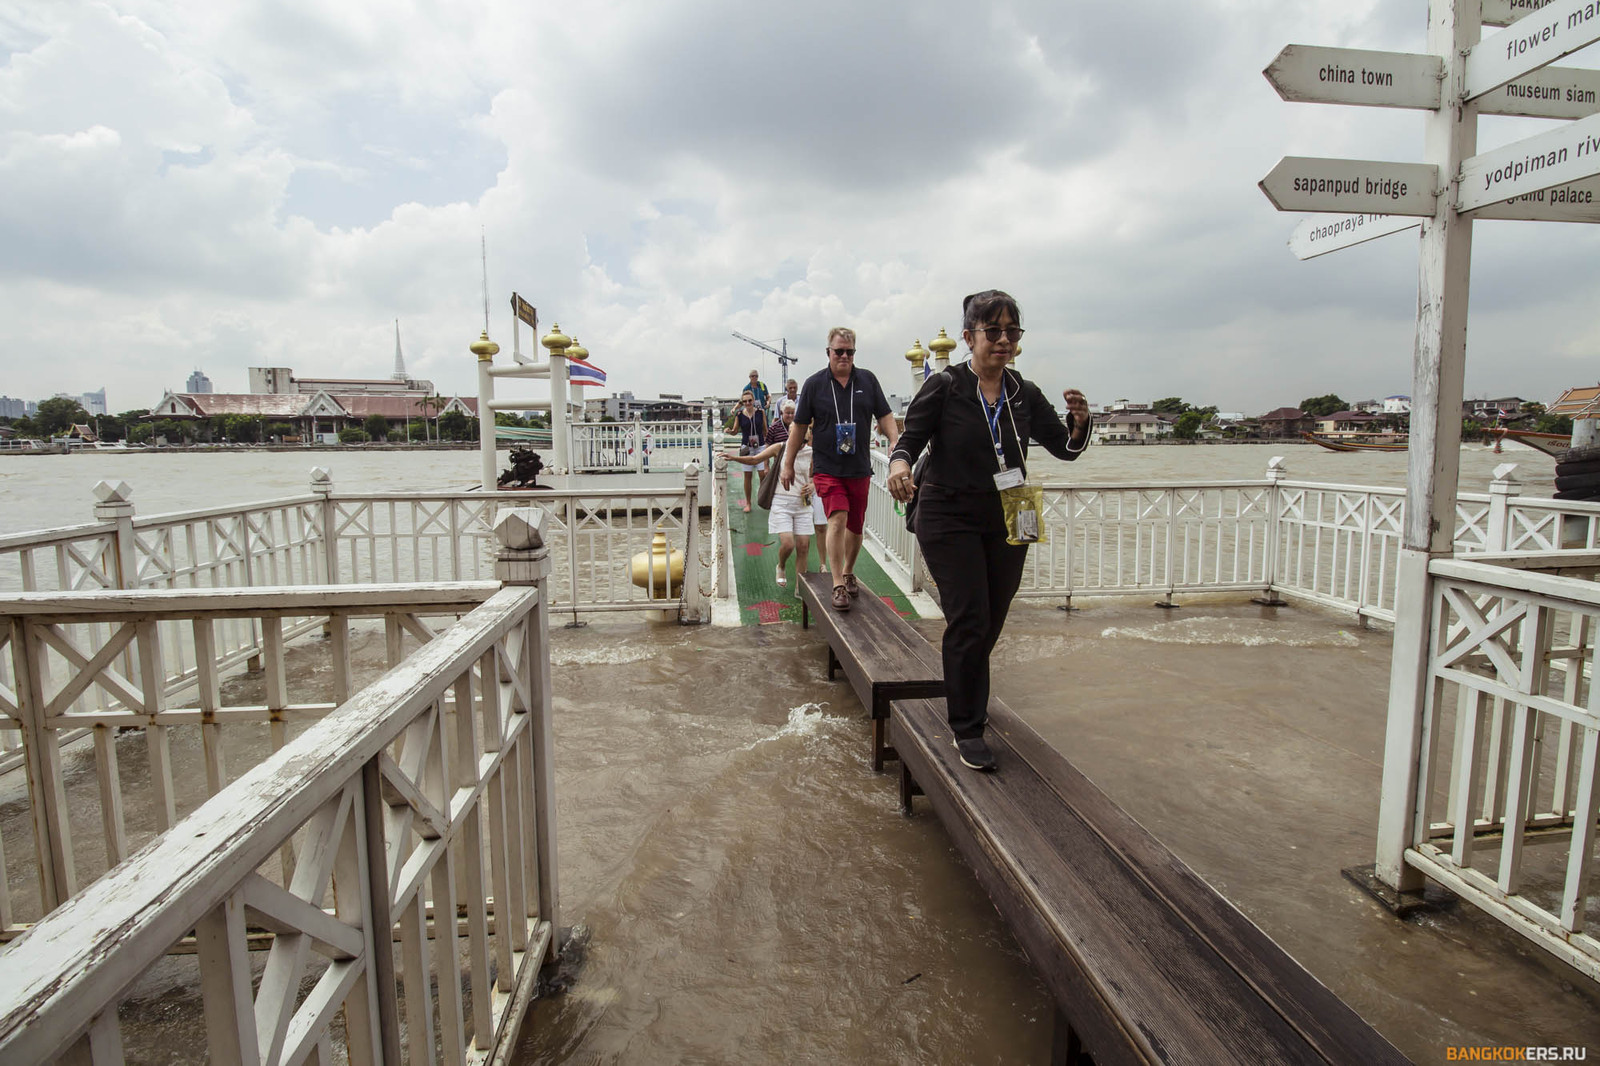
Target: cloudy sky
x=195, y=183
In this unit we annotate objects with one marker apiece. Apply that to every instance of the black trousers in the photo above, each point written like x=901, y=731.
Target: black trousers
x=978, y=574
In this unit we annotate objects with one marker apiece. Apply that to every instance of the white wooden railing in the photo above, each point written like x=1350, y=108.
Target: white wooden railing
x=1335, y=545
x=421, y=810
x=1510, y=743
x=639, y=446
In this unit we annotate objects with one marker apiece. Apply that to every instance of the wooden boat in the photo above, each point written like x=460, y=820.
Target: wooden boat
x=1356, y=445
x=1550, y=443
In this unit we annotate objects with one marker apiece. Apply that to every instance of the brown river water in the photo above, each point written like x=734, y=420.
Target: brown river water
x=745, y=890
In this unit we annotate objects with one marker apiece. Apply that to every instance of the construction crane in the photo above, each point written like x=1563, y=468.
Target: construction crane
x=784, y=358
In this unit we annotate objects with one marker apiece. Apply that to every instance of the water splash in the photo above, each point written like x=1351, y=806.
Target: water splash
x=601, y=656
x=808, y=720
x=1236, y=632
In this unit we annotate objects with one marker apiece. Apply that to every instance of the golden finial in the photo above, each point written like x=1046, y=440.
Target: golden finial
x=916, y=355
x=941, y=346
x=484, y=348
x=577, y=351
x=556, y=341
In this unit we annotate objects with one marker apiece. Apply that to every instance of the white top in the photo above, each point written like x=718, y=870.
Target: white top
x=802, y=475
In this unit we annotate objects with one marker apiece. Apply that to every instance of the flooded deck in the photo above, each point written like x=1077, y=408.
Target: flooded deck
x=750, y=892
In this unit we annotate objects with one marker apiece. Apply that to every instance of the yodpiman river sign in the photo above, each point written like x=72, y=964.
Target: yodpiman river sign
x=1560, y=157
x=1321, y=234
x=1534, y=41
x=1305, y=73
x=1299, y=183
x=1554, y=92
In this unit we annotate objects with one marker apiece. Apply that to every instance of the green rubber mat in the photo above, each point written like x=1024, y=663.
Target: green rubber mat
x=762, y=601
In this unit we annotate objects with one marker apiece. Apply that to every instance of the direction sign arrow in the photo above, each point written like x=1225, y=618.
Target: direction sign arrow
x=1554, y=92
x=1536, y=40
x=1343, y=185
x=1577, y=202
x=1321, y=235
x=1311, y=74
x=1505, y=12
x=1559, y=157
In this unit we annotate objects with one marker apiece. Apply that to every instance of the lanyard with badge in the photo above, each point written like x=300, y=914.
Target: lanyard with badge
x=844, y=436
x=1019, y=500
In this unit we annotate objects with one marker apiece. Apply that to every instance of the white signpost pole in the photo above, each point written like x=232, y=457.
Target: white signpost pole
x=1434, y=457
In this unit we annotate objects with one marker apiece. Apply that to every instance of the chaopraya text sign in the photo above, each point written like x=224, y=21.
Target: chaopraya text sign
x=1299, y=183
x=1321, y=234
x=1559, y=157
x=1534, y=41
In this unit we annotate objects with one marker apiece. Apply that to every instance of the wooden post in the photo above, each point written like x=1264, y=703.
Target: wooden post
x=722, y=559
x=52, y=833
x=113, y=504
x=1438, y=368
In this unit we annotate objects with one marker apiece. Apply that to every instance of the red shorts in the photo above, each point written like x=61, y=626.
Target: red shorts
x=847, y=494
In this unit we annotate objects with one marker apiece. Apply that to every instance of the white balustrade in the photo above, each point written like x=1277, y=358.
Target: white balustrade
x=1510, y=744
x=421, y=810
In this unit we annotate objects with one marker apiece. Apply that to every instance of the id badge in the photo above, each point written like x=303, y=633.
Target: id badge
x=845, y=438
x=1009, y=478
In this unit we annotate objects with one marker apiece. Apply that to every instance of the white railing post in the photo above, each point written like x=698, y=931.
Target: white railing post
x=524, y=559
x=113, y=504
x=1497, y=537
x=52, y=833
x=322, y=485
x=1276, y=472
x=638, y=444
x=694, y=571
x=723, y=546
x=486, y=349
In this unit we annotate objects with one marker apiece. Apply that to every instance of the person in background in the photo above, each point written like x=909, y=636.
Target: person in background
x=791, y=392
x=976, y=418
x=790, y=514
x=751, y=423
x=758, y=389
x=840, y=404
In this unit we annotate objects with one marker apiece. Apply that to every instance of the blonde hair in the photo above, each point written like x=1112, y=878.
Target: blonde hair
x=841, y=331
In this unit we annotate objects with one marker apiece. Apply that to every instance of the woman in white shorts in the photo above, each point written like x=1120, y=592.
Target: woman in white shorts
x=792, y=514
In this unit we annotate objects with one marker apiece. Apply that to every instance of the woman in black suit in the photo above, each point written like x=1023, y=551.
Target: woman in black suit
x=977, y=418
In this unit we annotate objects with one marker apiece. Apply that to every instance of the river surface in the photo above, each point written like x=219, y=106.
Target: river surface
x=745, y=889
x=39, y=491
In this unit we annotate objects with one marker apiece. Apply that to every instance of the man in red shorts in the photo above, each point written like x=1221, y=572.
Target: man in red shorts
x=840, y=404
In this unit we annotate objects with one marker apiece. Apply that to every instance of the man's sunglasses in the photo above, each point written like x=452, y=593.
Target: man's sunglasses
x=841, y=352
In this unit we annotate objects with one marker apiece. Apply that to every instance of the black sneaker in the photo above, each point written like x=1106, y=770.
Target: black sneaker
x=975, y=753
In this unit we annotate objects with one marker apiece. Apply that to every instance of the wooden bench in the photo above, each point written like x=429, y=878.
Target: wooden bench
x=1147, y=963
x=883, y=658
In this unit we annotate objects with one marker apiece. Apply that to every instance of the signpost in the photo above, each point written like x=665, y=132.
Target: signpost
x=1304, y=73
x=1301, y=184
x=1552, y=176
x=1554, y=92
x=1562, y=155
x=1577, y=202
x=1553, y=31
x=1322, y=234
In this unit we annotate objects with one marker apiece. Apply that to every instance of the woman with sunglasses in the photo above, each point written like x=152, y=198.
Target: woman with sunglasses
x=976, y=419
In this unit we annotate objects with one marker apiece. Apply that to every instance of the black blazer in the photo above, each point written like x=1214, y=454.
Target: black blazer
x=948, y=416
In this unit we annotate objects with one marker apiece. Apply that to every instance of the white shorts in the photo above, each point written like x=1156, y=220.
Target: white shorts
x=789, y=515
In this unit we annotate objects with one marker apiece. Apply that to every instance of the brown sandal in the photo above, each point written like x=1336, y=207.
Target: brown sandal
x=841, y=598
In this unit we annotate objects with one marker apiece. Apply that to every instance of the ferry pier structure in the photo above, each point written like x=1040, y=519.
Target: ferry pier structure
x=135, y=622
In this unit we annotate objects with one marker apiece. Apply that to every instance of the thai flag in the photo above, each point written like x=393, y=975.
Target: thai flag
x=582, y=373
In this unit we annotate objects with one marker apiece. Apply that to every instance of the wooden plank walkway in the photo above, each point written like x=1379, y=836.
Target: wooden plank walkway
x=1147, y=962
x=881, y=655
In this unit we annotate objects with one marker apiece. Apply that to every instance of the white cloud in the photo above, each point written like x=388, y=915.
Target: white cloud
x=189, y=183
